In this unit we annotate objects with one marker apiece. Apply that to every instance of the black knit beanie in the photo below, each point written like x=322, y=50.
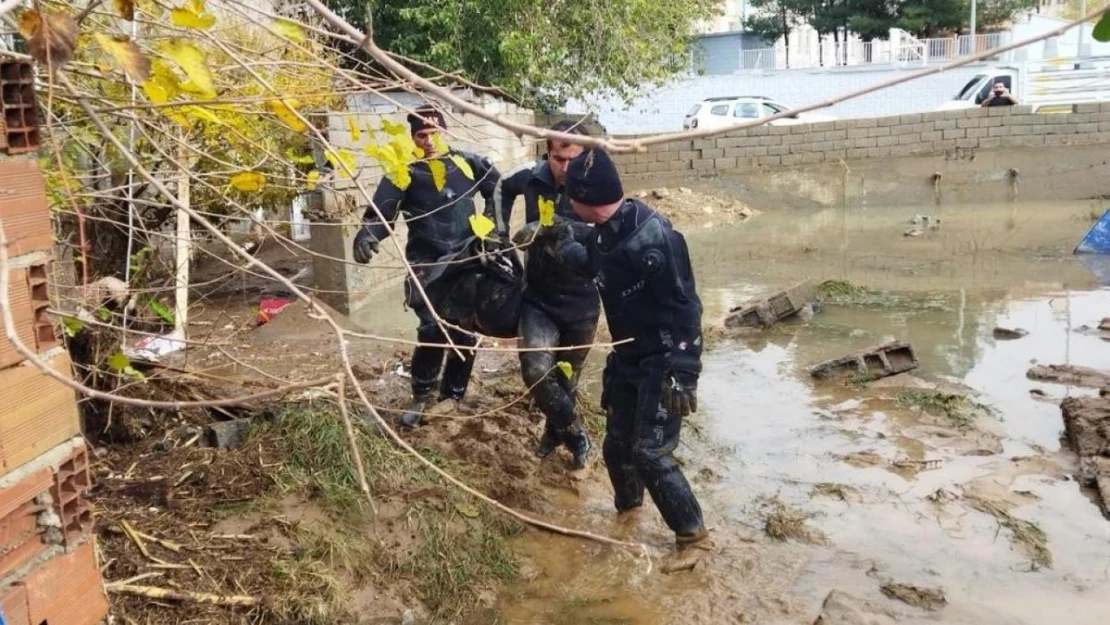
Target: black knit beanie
x=425, y=118
x=592, y=179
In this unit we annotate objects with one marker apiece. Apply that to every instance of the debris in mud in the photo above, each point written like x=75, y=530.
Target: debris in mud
x=1009, y=334
x=1104, y=324
x=771, y=310
x=1071, y=375
x=784, y=523
x=1024, y=535
x=1087, y=426
x=842, y=492
x=922, y=224
x=957, y=410
x=692, y=208
x=880, y=361
x=862, y=459
x=926, y=598
x=841, y=608
x=916, y=466
x=228, y=434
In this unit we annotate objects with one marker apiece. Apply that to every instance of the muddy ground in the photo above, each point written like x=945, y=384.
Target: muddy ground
x=945, y=495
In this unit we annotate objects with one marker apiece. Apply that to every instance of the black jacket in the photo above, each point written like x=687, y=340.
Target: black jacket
x=642, y=269
x=562, y=292
x=438, y=220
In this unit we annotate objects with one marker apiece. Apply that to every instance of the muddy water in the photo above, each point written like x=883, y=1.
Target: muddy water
x=766, y=430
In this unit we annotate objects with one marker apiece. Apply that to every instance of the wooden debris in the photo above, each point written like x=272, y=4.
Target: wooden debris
x=152, y=592
x=134, y=536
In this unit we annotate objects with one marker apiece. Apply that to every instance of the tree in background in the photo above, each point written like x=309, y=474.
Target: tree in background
x=776, y=19
x=830, y=17
x=931, y=18
x=538, y=51
x=994, y=15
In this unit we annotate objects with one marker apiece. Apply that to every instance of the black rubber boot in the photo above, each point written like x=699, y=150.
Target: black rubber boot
x=411, y=417
x=578, y=442
x=549, y=442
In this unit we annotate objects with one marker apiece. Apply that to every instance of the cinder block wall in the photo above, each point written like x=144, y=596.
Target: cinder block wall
x=920, y=134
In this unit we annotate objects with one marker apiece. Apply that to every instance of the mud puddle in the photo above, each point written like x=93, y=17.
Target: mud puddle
x=980, y=509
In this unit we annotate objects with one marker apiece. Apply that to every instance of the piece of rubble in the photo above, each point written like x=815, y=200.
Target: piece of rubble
x=1071, y=375
x=228, y=434
x=1104, y=324
x=1087, y=424
x=926, y=598
x=881, y=361
x=841, y=608
x=765, y=312
x=660, y=193
x=1009, y=334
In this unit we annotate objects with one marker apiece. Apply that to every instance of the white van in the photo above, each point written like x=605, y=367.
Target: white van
x=726, y=111
x=1040, y=84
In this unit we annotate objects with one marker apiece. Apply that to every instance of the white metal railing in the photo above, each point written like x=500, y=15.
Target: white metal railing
x=906, y=50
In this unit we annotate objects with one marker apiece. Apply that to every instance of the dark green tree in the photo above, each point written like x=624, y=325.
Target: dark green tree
x=778, y=18
x=932, y=18
x=537, y=50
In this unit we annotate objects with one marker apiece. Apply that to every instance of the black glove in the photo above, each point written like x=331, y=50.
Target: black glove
x=680, y=393
x=365, y=246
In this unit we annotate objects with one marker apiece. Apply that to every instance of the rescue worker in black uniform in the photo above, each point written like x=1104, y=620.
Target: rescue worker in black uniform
x=439, y=234
x=642, y=269
x=560, y=307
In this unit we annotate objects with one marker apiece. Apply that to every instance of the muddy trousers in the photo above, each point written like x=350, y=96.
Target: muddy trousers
x=552, y=390
x=427, y=361
x=640, y=439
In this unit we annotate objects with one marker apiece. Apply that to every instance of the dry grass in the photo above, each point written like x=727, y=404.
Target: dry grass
x=783, y=523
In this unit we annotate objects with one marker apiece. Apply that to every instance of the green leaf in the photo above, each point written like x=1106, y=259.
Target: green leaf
x=104, y=314
x=163, y=312
x=1102, y=29
x=72, y=325
x=118, y=361
x=439, y=173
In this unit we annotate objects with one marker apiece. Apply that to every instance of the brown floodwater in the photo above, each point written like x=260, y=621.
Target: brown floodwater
x=766, y=431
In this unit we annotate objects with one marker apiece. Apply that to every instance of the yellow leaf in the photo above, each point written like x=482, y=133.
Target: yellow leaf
x=547, y=212
x=440, y=144
x=481, y=225
x=391, y=128
x=290, y=30
x=29, y=23
x=352, y=125
x=400, y=176
x=192, y=15
x=201, y=113
x=370, y=130
x=343, y=162
x=126, y=9
x=313, y=180
x=439, y=173
x=162, y=85
x=463, y=166
x=566, y=368
x=249, y=181
x=285, y=110
x=127, y=54
x=194, y=63
x=467, y=510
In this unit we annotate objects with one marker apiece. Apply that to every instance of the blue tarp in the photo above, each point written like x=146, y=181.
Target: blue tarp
x=1097, y=240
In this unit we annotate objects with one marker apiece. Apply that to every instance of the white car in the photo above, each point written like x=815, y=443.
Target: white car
x=721, y=112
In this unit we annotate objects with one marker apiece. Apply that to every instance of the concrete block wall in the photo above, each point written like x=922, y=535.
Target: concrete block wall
x=920, y=134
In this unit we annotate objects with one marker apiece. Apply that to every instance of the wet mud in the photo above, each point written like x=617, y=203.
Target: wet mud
x=945, y=495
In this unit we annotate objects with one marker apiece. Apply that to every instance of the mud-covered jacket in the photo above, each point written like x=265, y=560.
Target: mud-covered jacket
x=559, y=290
x=641, y=266
x=438, y=220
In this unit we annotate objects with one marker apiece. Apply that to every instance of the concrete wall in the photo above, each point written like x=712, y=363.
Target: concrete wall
x=344, y=284
x=896, y=159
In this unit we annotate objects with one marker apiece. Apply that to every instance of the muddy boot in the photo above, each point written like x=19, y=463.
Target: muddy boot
x=578, y=442
x=549, y=442
x=412, y=416
x=691, y=550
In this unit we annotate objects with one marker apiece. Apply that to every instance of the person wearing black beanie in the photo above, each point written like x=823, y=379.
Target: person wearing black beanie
x=641, y=266
x=440, y=250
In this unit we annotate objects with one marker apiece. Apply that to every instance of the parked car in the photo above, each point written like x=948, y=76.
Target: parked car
x=726, y=111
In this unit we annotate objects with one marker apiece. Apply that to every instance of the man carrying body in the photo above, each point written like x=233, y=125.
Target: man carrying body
x=560, y=307
x=642, y=270
x=439, y=233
